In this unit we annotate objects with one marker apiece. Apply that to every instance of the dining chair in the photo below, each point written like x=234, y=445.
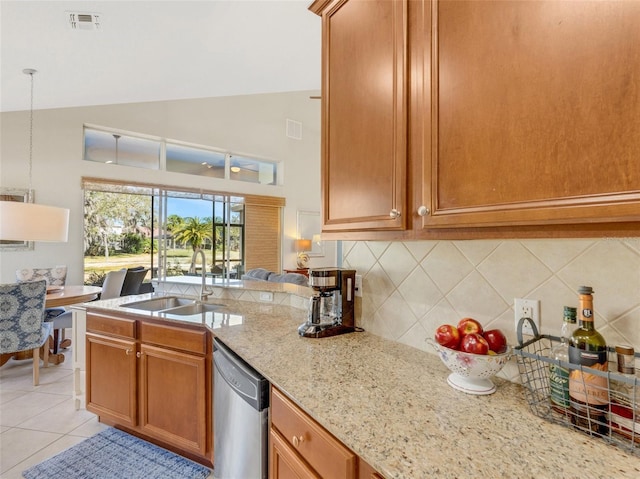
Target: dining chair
x=111, y=288
x=55, y=277
x=22, y=325
x=133, y=280
x=112, y=285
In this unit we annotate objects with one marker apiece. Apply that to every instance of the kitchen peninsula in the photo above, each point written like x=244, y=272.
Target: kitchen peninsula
x=391, y=405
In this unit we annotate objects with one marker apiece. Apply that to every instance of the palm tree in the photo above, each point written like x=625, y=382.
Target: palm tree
x=174, y=223
x=195, y=232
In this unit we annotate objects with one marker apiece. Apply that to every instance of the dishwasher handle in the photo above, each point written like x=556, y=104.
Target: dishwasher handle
x=242, y=378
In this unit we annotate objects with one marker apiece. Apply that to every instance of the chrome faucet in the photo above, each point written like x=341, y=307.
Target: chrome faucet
x=204, y=293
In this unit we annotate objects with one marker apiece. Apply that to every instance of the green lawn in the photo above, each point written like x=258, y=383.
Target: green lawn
x=176, y=258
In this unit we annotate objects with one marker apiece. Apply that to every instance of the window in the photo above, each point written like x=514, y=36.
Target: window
x=128, y=149
x=154, y=226
x=252, y=170
x=195, y=161
x=117, y=149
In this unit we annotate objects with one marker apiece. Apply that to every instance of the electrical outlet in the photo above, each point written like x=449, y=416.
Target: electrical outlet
x=358, y=285
x=266, y=296
x=527, y=308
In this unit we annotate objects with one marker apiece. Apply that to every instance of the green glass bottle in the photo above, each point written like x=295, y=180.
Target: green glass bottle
x=589, y=393
x=558, y=375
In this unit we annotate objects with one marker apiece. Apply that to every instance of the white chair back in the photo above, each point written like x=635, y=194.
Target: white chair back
x=113, y=284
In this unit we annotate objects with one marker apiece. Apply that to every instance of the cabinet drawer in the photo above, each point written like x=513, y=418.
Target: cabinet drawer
x=285, y=462
x=174, y=337
x=111, y=325
x=328, y=456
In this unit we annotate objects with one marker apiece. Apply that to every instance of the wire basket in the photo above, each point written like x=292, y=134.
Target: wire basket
x=617, y=422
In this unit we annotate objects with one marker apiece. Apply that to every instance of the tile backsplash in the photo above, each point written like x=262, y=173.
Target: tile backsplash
x=410, y=288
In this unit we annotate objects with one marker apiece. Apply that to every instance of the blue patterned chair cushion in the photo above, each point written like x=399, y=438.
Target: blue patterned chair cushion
x=21, y=316
x=53, y=276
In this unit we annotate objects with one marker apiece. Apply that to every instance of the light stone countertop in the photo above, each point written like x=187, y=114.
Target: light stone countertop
x=391, y=404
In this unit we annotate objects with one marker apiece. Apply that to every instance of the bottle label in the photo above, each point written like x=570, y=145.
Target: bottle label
x=583, y=386
x=587, y=314
x=559, y=383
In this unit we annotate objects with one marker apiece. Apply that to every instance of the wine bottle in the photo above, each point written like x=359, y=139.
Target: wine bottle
x=624, y=415
x=558, y=375
x=588, y=393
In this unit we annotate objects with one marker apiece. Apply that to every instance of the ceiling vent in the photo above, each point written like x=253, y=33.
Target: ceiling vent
x=294, y=129
x=84, y=21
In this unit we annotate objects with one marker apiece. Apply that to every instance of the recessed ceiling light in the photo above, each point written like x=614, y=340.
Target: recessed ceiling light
x=235, y=169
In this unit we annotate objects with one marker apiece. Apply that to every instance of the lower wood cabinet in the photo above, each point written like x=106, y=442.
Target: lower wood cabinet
x=112, y=378
x=300, y=448
x=173, y=397
x=153, y=380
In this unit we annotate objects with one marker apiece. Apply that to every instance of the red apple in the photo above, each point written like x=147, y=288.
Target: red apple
x=448, y=336
x=496, y=339
x=469, y=326
x=474, y=343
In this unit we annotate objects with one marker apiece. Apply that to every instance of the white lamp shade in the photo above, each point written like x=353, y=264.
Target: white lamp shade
x=33, y=222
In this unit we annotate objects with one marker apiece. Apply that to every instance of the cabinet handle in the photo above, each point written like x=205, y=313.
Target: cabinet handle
x=138, y=354
x=297, y=440
x=394, y=213
x=423, y=211
x=128, y=352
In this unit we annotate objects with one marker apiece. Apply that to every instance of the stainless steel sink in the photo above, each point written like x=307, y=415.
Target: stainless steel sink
x=160, y=304
x=195, y=308
x=172, y=305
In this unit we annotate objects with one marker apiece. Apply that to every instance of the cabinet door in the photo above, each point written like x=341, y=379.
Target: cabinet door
x=536, y=108
x=111, y=378
x=323, y=452
x=364, y=127
x=173, y=398
x=284, y=462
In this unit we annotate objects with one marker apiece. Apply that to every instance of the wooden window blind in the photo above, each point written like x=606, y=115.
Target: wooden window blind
x=263, y=226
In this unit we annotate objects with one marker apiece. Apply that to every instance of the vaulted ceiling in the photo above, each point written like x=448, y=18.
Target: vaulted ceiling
x=155, y=50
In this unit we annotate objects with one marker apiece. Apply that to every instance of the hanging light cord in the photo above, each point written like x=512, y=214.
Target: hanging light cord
x=30, y=72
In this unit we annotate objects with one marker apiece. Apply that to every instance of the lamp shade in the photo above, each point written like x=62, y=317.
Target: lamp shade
x=32, y=222
x=303, y=245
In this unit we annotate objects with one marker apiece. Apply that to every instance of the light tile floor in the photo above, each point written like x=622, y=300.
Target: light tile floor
x=37, y=422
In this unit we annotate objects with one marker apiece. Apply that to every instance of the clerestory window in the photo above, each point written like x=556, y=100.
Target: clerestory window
x=116, y=147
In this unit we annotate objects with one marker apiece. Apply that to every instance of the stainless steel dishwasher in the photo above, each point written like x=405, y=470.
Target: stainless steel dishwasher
x=240, y=409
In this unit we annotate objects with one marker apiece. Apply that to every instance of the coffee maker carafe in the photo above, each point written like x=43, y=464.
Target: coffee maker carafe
x=331, y=308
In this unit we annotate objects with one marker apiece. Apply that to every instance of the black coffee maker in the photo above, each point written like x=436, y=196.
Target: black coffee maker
x=331, y=308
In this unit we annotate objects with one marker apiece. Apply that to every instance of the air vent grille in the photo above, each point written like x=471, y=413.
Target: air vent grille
x=84, y=21
x=294, y=129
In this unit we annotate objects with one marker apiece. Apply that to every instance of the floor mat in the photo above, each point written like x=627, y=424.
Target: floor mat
x=114, y=454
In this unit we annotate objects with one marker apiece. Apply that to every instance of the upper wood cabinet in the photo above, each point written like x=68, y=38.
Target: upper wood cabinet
x=519, y=116
x=364, y=120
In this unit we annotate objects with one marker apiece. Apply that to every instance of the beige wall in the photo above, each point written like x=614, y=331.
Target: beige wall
x=410, y=288
x=251, y=124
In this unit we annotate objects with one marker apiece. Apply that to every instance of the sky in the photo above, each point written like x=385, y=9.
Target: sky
x=189, y=207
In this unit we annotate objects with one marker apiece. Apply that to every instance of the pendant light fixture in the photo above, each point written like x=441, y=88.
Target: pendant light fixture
x=23, y=221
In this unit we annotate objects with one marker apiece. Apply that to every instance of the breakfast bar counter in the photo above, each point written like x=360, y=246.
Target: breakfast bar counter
x=391, y=404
